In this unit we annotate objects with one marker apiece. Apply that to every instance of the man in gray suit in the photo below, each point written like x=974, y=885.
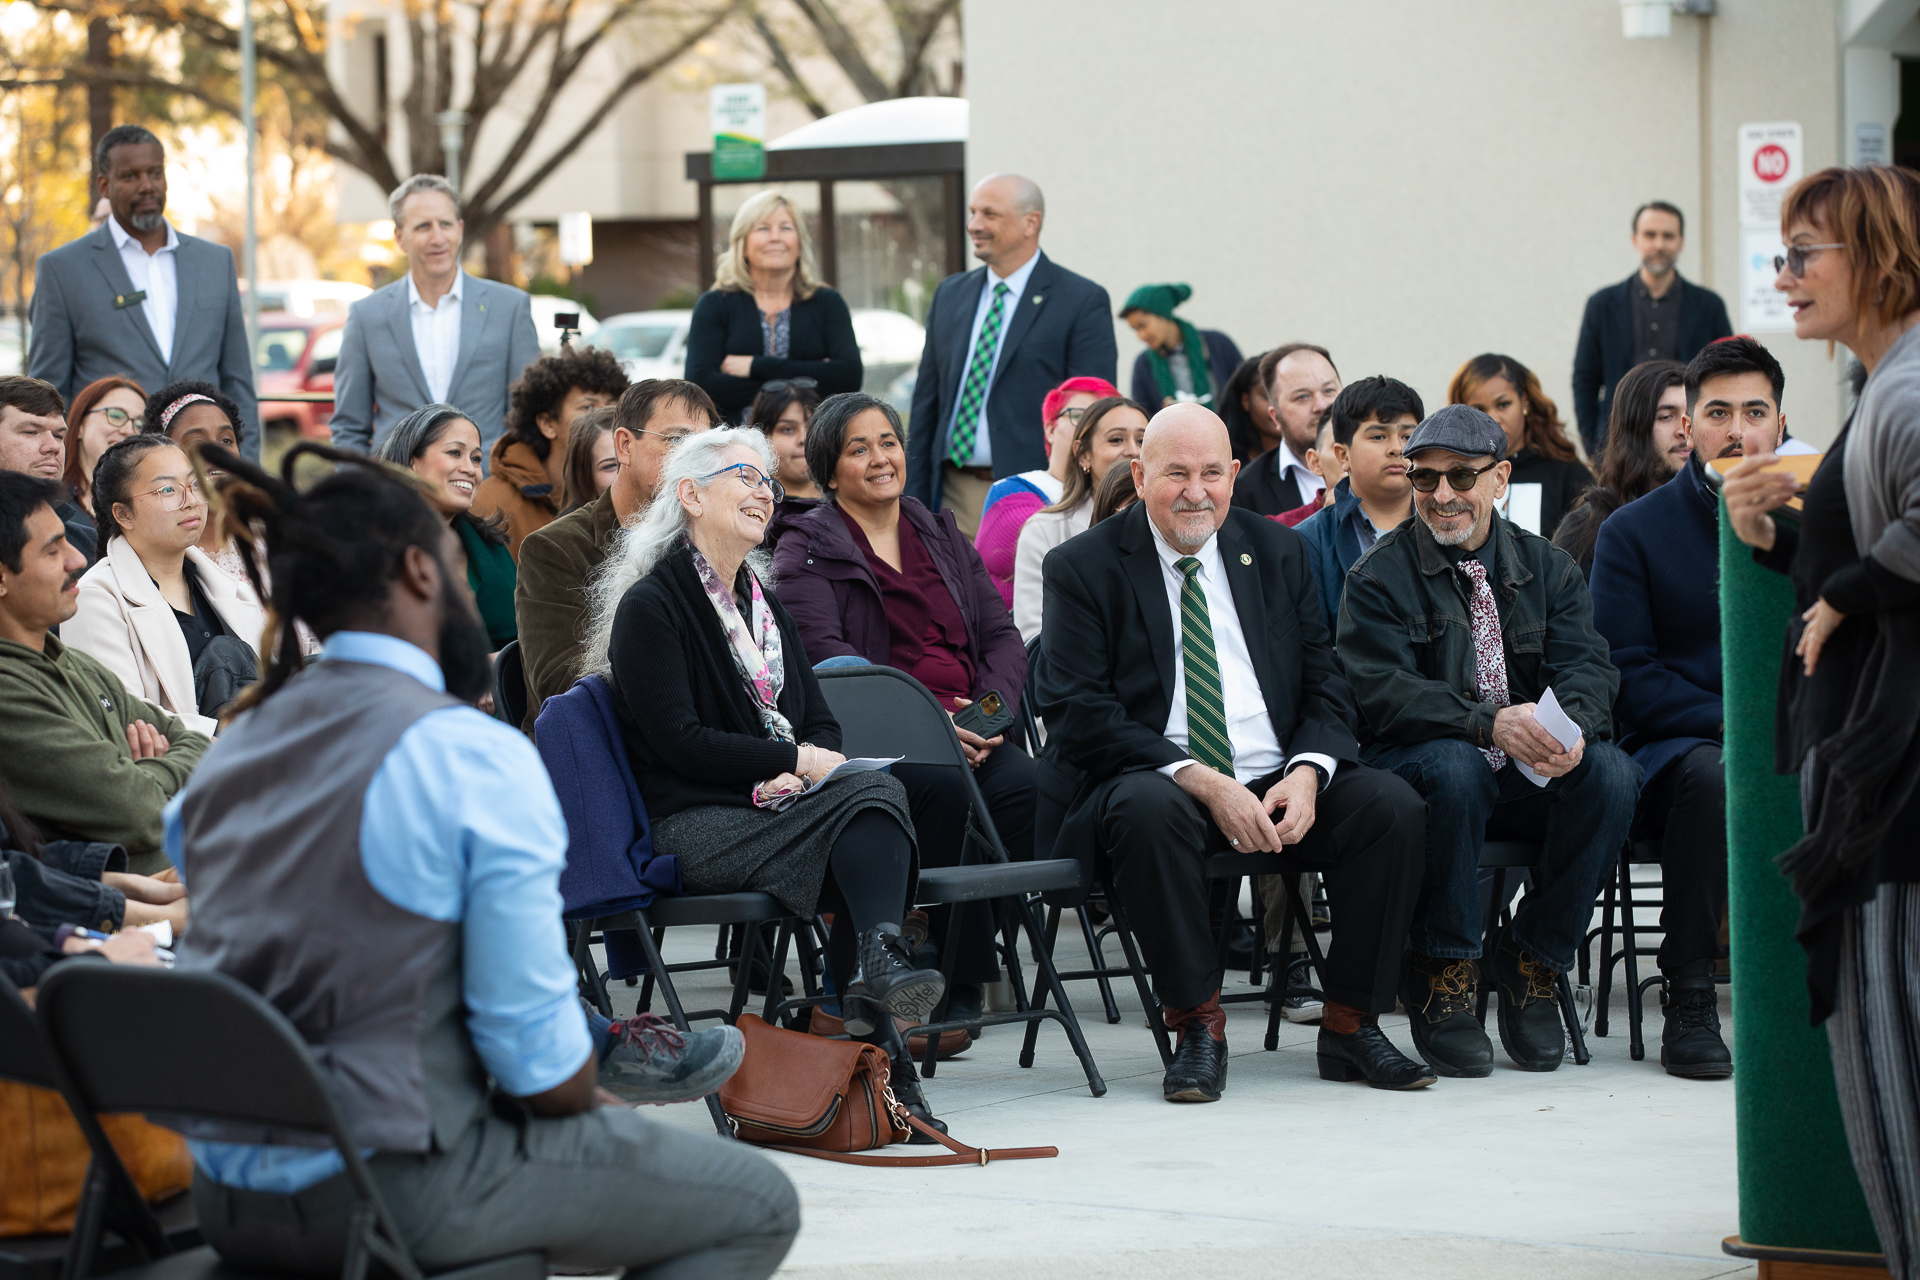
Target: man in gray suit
x=437, y=336
x=136, y=298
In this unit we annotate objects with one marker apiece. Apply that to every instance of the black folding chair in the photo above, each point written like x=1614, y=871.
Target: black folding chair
x=41, y=1257
x=210, y=1049
x=1500, y=857
x=510, y=685
x=884, y=712
x=1625, y=896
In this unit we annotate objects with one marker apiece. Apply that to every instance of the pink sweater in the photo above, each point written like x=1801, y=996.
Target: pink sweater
x=999, y=537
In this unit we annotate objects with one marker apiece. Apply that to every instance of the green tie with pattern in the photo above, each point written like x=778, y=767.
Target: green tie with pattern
x=1207, y=739
x=973, y=392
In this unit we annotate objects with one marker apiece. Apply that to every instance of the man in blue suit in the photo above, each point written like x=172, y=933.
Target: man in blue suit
x=999, y=338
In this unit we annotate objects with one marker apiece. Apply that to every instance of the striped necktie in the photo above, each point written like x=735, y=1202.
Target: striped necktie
x=1207, y=740
x=973, y=392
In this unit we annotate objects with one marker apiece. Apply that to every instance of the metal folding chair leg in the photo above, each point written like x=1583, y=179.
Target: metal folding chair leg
x=679, y=1015
x=1277, y=990
x=1161, y=1038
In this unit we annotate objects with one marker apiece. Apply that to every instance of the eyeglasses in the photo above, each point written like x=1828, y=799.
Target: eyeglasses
x=671, y=437
x=178, y=497
x=1459, y=479
x=781, y=384
x=1795, y=258
x=1074, y=414
x=752, y=477
x=118, y=417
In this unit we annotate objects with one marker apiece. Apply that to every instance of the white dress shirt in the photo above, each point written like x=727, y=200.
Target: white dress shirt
x=156, y=275
x=1016, y=291
x=1257, y=750
x=1291, y=468
x=436, y=335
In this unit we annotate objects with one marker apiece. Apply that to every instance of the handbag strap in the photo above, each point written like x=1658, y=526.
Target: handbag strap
x=962, y=1153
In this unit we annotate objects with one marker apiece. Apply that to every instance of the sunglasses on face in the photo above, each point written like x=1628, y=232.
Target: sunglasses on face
x=781, y=384
x=1459, y=479
x=752, y=477
x=119, y=417
x=1794, y=261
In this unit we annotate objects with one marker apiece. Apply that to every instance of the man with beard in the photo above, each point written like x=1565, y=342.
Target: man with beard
x=134, y=297
x=1453, y=627
x=86, y=759
x=1301, y=384
x=1651, y=315
x=382, y=862
x=1656, y=599
x=1194, y=708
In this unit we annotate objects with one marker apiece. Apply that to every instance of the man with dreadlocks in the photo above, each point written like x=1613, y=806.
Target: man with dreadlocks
x=382, y=862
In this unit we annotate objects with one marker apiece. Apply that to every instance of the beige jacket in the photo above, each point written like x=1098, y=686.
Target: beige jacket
x=1043, y=531
x=127, y=625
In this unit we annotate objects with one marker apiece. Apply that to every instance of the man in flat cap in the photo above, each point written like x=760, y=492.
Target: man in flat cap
x=1460, y=632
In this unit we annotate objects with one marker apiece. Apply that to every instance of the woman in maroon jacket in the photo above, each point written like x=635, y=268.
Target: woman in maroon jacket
x=875, y=575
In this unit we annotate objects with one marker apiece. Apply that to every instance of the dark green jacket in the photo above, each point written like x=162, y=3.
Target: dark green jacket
x=491, y=575
x=1406, y=640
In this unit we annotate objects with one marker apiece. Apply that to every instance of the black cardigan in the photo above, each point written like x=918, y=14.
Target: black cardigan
x=820, y=345
x=692, y=731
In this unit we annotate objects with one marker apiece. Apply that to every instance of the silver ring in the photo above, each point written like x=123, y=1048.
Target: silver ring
x=1234, y=843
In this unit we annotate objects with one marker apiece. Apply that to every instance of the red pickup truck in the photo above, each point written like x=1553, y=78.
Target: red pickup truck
x=297, y=354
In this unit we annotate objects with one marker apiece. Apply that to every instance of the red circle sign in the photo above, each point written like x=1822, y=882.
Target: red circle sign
x=1770, y=163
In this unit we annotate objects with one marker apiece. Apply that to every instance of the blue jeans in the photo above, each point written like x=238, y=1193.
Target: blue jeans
x=1580, y=819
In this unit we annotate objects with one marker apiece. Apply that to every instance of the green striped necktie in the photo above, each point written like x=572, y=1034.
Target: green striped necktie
x=973, y=392
x=1207, y=739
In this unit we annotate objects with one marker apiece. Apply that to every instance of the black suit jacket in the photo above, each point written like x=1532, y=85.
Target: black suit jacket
x=1062, y=328
x=1105, y=675
x=820, y=345
x=1259, y=487
x=1605, y=352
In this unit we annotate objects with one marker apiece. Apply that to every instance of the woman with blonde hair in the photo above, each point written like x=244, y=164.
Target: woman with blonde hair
x=768, y=317
x=1537, y=442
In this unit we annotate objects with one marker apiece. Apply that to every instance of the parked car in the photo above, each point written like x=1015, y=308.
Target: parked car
x=545, y=307
x=309, y=298
x=297, y=354
x=650, y=344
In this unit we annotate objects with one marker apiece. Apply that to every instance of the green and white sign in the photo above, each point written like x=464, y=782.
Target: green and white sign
x=739, y=131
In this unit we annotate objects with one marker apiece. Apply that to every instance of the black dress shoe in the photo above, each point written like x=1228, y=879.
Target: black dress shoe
x=1530, y=1027
x=1368, y=1055
x=1438, y=994
x=886, y=979
x=1691, y=1046
x=964, y=1004
x=905, y=1083
x=1199, y=1070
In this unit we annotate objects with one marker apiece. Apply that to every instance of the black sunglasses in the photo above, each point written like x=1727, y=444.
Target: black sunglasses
x=1459, y=479
x=781, y=384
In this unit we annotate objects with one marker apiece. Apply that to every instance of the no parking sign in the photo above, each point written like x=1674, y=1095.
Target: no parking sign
x=1769, y=166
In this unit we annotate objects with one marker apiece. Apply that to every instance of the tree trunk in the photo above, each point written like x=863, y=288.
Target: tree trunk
x=99, y=92
x=499, y=244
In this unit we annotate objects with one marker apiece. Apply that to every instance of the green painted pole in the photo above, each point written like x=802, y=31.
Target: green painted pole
x=1797, y=1186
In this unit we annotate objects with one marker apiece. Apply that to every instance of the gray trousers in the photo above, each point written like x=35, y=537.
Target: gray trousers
x=1875, y=1037
x=604, y=1189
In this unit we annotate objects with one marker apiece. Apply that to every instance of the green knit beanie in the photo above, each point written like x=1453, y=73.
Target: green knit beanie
x=1157, y=299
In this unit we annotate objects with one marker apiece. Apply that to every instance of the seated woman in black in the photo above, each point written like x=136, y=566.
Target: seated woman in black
x=727, y=731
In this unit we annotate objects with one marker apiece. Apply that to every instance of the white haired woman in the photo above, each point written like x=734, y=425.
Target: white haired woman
x=726, y=728
x=768, y=318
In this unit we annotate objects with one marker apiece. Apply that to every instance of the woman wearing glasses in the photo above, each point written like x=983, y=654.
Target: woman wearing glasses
x=874, y=575
x=1012, y=500
x=725, y=727
x=1849, y=695
x=1548, y=476
x=106, y=411
x=768, y=316
x=155, y=610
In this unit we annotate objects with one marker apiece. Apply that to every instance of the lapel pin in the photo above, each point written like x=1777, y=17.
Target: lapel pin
x=1038, y=299
x=1245, y=558
x=483, y=308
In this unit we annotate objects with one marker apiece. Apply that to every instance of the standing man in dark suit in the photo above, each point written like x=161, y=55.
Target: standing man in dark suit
x=1651, y=315
x=1194, y=707
x=136, y=298
x=999, y=338
x=435, y=336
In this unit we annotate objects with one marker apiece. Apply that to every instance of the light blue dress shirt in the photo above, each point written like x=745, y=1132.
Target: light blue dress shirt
x=460, y=824
x=1016, y=296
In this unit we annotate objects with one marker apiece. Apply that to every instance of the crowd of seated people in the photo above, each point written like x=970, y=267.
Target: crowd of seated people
x=525, y=483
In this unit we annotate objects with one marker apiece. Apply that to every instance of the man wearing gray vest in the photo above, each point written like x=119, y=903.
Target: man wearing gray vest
x=382, y=861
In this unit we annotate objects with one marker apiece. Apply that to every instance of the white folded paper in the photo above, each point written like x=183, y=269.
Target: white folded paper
x=1549, y=715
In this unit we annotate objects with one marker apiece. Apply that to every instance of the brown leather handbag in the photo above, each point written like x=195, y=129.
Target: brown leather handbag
x=830, y=1099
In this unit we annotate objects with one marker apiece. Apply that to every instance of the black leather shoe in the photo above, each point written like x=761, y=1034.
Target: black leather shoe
x=965, y=1004
x=1690, y=1045
x=1368, y=1055
x=886, y=979
x=1199, y=1070
x=905, y=1083
x=1438, y=994
x=1530, y=1027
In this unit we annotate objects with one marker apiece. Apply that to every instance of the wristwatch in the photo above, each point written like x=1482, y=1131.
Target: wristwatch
x=1320, y=774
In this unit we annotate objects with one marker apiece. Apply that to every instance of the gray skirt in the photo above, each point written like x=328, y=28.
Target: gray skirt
x=725, y=848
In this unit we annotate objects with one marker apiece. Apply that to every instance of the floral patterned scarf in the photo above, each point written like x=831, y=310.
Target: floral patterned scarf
x=755, y=646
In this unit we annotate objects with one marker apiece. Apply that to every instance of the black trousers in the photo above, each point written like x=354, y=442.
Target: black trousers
x=1684, y=812
x=1368, y=841
x=938, y=800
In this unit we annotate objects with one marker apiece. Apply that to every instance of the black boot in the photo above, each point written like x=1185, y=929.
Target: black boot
x=1690, y=1045
x=1368, y=1055
x=1199, y=1069
x=1438, y=994
x=886, y=979
x=1531, y=1030
x=905, y=1083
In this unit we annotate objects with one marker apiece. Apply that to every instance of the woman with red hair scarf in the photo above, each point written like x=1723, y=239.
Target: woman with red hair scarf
x=1012, y=500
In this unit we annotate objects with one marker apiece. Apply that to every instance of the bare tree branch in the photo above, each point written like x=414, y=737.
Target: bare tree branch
x=131, y=79
x=845, y=49
x=778, y=52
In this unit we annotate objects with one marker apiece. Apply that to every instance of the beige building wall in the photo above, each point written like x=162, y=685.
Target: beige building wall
x=1407, y=183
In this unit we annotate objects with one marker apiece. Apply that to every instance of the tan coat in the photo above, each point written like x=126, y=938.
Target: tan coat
x=518, y=488
x=128, y=626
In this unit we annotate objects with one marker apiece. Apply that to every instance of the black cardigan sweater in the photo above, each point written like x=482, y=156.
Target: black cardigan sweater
x=820, y=345
x=693, y=734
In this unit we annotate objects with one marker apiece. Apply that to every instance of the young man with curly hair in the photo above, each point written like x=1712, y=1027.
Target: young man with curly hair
x=524, y=483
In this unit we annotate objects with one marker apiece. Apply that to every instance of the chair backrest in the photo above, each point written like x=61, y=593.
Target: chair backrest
x=510, y=685
x=22, y=1060
x=886, y=712
x=1029, y=719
